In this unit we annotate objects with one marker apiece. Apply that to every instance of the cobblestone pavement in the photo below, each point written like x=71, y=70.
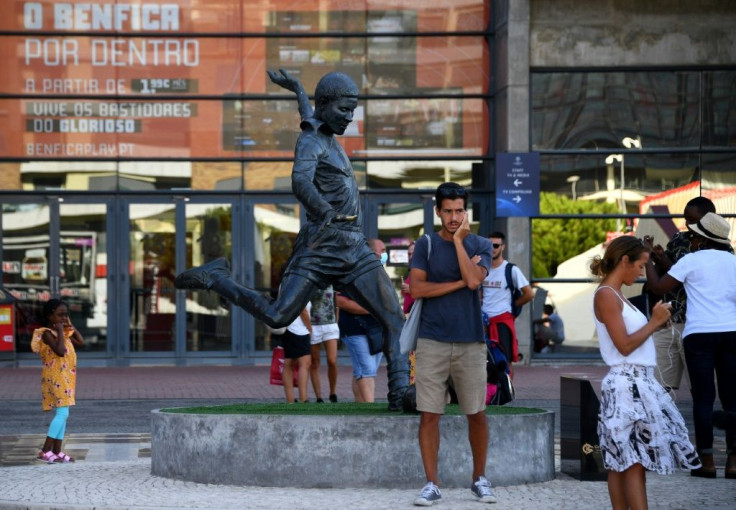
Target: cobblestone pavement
x=113, y=468
x=129, y=485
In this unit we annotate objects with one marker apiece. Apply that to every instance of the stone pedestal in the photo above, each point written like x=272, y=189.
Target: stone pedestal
x=343, y=451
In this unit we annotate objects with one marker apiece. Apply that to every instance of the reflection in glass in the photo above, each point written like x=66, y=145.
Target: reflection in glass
x=439, y=126
x=399, y=224
x=152, y=292
x=69, y=175
x=123, y=176
x=83, y=270
x=26, y=265
x=417, y=174
x=719, y=173
x=564, y=248
x=719, y=109
x=268, y=175
x=276, y=227
x=276, y=176
x=598, y=110
x=436, y=127
x=235, y=127
x=259, y=125
x=415, y=124
x=217, y=175
x=154, y=175
x=589, y=178
x=209, y=236
x=390, y=64
x=372, y=16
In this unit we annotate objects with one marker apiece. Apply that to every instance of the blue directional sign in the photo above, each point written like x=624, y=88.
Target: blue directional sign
x=517, y=184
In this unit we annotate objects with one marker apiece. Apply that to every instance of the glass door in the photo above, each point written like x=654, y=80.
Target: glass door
x=54, y=247
x=209, y=235
x=271, y=227
x=398, y=220
x=166, y=236
x=82, y=273
x=151, y=271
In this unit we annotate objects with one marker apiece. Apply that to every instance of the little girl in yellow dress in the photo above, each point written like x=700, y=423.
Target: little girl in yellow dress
x=55, y=344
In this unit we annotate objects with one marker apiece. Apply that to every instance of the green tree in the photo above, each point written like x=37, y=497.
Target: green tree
x=556, y=240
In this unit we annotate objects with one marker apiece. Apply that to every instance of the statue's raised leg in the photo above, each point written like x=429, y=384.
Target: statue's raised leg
x=294, y=293
x=374, y=292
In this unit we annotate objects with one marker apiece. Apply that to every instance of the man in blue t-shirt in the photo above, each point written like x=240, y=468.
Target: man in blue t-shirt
x=450, y=343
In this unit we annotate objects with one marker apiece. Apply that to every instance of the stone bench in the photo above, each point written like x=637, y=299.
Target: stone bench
x=343, y=451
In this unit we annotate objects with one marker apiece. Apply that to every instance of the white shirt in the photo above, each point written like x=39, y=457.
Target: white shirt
x=709, y=277
x=634, y=320
x=496, y=295
x=298, y=327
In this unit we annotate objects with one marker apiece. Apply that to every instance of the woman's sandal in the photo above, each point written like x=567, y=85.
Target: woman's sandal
x=48, y=457
x=63, y=457
x=703, y=473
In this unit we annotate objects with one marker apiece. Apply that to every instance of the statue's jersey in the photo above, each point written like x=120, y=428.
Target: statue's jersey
x=323, y=180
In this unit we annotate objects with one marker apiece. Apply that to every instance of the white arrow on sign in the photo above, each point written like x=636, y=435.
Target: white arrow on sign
x=516, y=199
x=517, y=182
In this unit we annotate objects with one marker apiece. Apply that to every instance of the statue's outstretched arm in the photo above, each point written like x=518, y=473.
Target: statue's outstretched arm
x=283, y=79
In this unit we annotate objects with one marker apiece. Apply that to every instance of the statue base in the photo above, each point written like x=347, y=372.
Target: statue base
x=343, y=451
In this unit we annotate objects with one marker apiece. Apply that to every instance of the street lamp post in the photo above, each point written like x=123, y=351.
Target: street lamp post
x=573, y=179
x=629, y=143
x=609, y=161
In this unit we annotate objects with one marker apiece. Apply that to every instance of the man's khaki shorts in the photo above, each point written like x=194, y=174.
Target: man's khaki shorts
x=439, y=362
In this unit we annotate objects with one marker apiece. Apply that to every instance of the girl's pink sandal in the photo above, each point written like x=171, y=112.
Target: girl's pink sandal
x=63, y=457
x=47, y=457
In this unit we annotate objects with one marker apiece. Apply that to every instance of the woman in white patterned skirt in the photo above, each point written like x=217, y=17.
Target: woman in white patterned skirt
x=639, y=426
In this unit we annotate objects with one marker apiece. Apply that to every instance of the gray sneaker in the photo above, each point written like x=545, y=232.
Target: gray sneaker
x=481, y=489
x=429, y=496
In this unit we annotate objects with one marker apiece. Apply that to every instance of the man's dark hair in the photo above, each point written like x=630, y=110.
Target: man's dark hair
x=333, y=86
x=452, y=191
x=498, y=235
x=549, y=309
x=702, y=204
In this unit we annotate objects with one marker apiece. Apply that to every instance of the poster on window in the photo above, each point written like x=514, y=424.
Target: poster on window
x=187, y=78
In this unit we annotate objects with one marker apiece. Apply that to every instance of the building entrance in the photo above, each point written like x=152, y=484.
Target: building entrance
x=113, y=260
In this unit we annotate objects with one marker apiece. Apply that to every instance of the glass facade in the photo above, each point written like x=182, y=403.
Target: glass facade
x=621, y=153
x=672, y=121
x=143, y=138
x=138, y=139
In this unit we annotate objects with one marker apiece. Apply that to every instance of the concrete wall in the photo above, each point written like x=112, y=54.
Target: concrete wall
x=343, y=451
x=632, y=32
x=511, y=131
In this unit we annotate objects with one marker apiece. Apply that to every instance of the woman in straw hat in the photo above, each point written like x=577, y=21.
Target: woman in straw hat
x=709, y=277
x=639, y=426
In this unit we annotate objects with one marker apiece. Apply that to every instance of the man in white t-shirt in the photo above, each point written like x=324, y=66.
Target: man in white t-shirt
x=496, y=306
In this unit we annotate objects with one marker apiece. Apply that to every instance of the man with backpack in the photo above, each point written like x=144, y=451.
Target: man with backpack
x=505, y=291
x=446, y=275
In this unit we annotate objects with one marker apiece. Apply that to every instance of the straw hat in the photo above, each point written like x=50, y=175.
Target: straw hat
x=713, y=227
